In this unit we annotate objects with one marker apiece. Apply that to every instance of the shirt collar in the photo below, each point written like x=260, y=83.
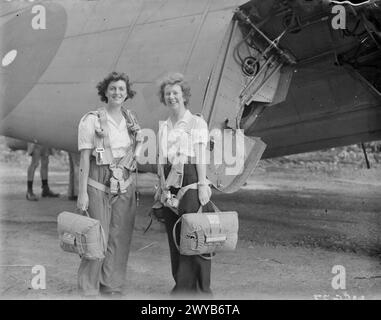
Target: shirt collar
x=121, y=125
x=187, y=117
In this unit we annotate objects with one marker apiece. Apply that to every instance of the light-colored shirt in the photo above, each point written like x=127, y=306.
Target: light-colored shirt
x=179, y=139
x=118, y=134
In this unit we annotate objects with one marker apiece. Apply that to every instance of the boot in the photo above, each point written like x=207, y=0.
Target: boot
x=46, y=192
x=31, y=196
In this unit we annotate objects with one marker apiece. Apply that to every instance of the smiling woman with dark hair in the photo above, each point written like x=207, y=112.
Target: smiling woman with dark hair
x=114, y=77
x=108, y=140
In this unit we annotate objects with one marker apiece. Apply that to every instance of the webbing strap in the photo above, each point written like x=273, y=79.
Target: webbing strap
x=190, y=126
x=183, y=190
x=97, y=185
x=103, y=141
x=104, y=126
x=131, y=124
x=100, y=186
x=160, y=169
x=102, y=150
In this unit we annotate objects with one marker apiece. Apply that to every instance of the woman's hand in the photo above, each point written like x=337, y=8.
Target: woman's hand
x=204, y=194
x=83, y=201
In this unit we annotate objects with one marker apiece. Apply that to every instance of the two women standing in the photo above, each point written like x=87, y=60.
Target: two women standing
x=109, y=140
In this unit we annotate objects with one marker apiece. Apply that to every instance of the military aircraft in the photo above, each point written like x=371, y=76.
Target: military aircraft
x=295, y=75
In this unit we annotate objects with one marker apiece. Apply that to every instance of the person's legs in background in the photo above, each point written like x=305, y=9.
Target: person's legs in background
x=46, y=192
x=35, y=160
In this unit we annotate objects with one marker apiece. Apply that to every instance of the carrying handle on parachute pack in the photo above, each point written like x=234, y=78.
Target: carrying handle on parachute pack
x=82, y=212
x=215, y=208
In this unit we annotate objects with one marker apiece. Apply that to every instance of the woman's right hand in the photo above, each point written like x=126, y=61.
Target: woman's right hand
x=83, y=201
x=204, y=194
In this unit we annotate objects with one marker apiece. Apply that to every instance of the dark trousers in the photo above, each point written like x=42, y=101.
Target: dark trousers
x=191, y=273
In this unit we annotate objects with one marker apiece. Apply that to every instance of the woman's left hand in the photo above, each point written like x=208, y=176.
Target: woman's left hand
x=204, y=194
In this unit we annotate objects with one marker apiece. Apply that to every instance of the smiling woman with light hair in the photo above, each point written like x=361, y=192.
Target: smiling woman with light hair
x=182, y=146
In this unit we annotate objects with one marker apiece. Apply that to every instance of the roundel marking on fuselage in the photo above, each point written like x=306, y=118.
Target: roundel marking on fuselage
x=26, y=52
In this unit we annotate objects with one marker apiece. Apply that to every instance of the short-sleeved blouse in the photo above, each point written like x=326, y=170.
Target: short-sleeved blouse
x=182, y=137
x=118, y=134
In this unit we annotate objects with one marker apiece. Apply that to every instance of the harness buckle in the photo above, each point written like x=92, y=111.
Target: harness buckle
x=123, y=186
x=116, y=181
x=99, y=152
x=117, y=172
x=169, y=199
x=173, y=202
x=114, y=186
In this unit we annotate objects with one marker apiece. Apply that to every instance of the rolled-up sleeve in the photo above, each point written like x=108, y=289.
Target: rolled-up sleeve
x=86, y=132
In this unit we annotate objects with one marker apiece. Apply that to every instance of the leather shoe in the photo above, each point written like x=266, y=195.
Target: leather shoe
x=31, y=196
x=46, y=192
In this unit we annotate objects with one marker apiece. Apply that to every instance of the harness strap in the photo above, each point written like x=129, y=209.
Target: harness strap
x=100, y=186
x=179, y=196
x=97, y=185
x=128, y=158
x=133, y=126
x=175, y=176
x=103, y=151
x=104, y=126
x=183, y=190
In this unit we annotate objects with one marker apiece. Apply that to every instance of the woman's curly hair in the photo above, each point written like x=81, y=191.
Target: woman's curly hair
x=172, y=79
x=113, y=77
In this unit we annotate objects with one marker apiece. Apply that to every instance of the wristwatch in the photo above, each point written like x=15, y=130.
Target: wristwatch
x=202, y=183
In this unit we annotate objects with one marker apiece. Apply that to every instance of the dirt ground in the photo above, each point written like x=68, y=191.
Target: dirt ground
x=296, y=224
